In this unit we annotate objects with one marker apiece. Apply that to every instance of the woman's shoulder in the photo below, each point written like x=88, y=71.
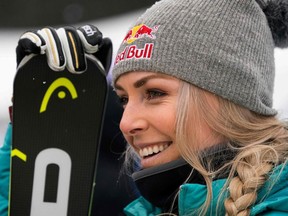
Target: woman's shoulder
x=5, y=171
x=140, y=207
x=273, y=197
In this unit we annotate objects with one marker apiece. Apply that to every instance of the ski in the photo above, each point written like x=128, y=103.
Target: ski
x=57, y=123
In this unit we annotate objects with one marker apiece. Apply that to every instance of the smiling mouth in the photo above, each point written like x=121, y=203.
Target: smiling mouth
x=152, y=150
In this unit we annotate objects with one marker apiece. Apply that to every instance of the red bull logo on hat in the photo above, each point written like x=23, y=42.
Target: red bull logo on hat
x=134, y=52
x=140, y=31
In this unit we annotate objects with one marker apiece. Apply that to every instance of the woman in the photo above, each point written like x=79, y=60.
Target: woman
x=195, y=79
x=196, y=82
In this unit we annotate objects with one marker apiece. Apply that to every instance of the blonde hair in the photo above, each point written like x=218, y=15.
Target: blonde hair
x=261, y=142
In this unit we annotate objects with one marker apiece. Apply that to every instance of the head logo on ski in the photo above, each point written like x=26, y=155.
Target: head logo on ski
x=60, y=82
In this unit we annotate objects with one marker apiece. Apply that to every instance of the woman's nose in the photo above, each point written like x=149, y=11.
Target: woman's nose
x=133, y=121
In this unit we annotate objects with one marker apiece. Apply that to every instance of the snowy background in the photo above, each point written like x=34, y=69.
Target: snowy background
x=115, y=28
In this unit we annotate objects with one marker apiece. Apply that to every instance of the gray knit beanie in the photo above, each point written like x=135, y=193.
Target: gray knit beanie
x=223, y=46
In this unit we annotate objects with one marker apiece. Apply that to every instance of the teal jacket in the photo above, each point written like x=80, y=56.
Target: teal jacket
x=5, y=171
x=192, y=196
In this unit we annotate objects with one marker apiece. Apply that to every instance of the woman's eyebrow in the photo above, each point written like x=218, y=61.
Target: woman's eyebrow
x=142, y=81
x=118, y=87
x=145, y=79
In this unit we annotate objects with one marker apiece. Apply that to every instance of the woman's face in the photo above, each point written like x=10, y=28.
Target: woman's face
x=148, y=121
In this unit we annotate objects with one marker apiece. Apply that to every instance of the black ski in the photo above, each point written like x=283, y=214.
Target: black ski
x=57, y=122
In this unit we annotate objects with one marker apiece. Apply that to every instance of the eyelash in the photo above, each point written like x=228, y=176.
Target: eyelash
x=150, y=95
x=154, y=93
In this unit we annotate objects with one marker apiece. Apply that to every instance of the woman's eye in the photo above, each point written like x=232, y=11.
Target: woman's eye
x=152, y=94
x=123, y=101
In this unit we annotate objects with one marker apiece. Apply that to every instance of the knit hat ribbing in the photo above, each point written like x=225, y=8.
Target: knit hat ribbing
x=223, y=46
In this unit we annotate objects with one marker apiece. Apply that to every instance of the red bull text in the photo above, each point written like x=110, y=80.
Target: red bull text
x=134, y=52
